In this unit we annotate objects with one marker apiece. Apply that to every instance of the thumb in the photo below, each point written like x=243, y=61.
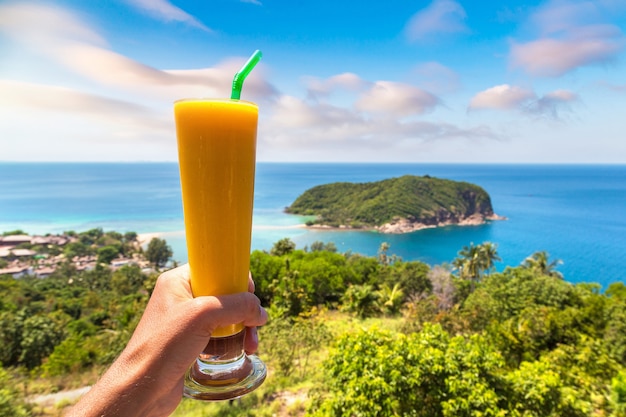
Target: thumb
x=223, y=310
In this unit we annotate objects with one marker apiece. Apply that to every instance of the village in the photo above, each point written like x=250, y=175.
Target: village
x=39, y=256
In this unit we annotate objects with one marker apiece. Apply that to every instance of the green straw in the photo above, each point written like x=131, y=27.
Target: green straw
x=243, y=73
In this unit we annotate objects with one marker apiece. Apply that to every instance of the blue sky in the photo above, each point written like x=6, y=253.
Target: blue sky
x=393, y=81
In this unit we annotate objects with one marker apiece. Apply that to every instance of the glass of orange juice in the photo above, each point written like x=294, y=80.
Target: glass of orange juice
x=217, y=154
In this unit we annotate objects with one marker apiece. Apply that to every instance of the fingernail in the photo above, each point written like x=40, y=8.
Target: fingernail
x=254, y=335
x=264, y=315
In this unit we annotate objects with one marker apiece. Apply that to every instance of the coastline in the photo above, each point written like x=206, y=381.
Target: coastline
x=45, y=198
x=145, y=238
x=403, y=225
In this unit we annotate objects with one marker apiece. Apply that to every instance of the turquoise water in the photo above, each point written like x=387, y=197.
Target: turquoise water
x=574, y=212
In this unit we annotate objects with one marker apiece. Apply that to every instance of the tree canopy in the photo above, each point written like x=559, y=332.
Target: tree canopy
x=158, y=252
x=376, y=336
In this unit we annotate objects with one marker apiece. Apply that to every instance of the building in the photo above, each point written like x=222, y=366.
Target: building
x=14, y=240
x=17, y=271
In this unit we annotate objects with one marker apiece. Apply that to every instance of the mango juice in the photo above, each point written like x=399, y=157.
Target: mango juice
x=217, y=154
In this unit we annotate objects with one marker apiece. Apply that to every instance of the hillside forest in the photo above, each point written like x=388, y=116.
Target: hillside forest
x=349, y=335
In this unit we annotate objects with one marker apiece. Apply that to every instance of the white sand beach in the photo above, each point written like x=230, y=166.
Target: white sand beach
x=145, y=238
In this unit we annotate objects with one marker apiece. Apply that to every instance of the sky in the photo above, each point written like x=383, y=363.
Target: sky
x=459, y=81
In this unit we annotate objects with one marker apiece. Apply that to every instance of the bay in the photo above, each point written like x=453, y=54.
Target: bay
x=574, y=212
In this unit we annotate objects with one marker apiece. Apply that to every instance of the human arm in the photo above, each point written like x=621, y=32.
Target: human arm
x=147, y=378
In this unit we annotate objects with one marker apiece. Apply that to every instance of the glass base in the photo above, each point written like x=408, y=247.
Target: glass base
x=223, y=371
x=211, y=382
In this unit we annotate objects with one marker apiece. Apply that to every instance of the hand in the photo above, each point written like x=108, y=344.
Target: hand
x=147, y=378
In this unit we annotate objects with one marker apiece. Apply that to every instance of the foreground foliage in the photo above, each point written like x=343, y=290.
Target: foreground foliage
x=353, y=335
x=431, y=373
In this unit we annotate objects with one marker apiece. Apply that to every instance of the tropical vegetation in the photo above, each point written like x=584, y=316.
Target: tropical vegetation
x=425, y=200
x=351, y=335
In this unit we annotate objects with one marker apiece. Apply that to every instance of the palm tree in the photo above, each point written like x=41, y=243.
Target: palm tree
x=466, y=262
x=382, y=253
x=489, y=253
x=475, y=260
x=390, y=299
x=540, y=263
x=361, y=300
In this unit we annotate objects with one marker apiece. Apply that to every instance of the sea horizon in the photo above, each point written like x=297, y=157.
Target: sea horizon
x=471, y=163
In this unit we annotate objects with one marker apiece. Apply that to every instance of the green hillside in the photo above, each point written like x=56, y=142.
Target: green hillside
x=349, y=335
x=425, y=200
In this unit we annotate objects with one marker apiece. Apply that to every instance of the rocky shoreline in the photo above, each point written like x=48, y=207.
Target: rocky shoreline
x=403, y=225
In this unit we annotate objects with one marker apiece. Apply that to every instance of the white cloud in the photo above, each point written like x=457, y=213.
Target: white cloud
x=377, y=122
x=503, y=97
x=381, y=97
x=165, y=11
x=90, y=126
x=62, y=38
x=555, y=57
x=571, y=35
x=110, y=68
x=98, y=97
x=62, y=99
x=387, y=97
x=436, y=77
x=43, y=26
x=308, y=129
x=104, y=105
x=551, y=104
x=441, y=16
x=507, y=97
x=303, y=119
x=317, y=87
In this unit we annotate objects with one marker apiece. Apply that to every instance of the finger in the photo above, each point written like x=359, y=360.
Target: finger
x=251, y=285
x=251, y=340
x=224, y=310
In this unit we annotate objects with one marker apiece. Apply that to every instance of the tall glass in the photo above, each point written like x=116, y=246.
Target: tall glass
x=217, y=154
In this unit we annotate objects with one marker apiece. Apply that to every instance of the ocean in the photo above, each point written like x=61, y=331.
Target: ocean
x=577, y=213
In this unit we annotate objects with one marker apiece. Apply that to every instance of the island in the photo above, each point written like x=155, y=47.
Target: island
x=397, y=205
